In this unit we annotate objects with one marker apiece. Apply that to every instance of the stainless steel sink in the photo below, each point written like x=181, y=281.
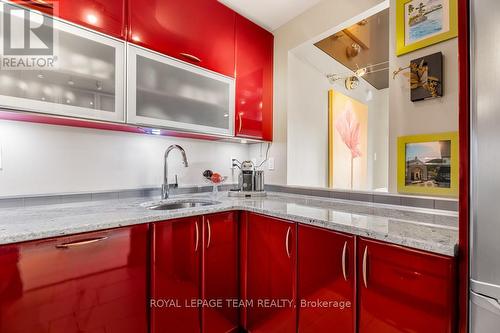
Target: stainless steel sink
x=181, y=204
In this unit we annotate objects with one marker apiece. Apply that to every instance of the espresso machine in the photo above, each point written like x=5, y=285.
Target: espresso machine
x=250, y=180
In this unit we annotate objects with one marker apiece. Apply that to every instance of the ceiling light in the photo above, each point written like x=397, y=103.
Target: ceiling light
x=351, y=82
x=353, y=50
x=360, y=72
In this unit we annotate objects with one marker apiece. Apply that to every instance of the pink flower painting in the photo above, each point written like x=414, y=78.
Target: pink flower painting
x=347, y=125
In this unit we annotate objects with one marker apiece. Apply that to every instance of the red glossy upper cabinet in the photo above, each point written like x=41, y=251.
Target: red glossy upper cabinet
x=404, y=290
x=326, y=273
x=197, y=31
x=220, y=272
x=93, y=282
x=106, y=16
x=269, y=274
x=175, y=275
x=254, y=81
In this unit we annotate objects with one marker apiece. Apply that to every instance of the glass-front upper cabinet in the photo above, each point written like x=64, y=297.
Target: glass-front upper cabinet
x=54, y=67
x=165, y=92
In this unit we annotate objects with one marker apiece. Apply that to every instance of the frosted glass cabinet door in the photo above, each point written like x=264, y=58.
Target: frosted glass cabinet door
x=86, y=80
x=165, y=92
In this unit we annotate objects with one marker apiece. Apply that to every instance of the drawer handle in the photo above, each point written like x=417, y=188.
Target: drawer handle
x=365, y=259
x=191, y=57
x=209, y=233
x=80, y=242
x=287, y=238
x=344, y=254
x=197, y=236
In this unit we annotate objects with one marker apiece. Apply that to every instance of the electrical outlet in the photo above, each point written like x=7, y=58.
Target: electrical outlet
x=270, y=163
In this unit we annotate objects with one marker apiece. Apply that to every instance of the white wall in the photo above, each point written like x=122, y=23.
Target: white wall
x=378, y=140
x=307, y=120
x=405, y=117
x=45, y=159
x=317, y=20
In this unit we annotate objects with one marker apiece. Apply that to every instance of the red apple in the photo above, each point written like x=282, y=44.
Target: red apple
x=216, y=178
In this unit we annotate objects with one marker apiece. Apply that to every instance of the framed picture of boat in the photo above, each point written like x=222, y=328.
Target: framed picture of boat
x=420, y=23
x=428, y=164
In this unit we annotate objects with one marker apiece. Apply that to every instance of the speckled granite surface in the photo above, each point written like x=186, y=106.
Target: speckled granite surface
x=430, y=230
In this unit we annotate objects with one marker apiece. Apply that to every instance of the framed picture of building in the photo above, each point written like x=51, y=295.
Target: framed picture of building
x=428, y=164
x=420, y=23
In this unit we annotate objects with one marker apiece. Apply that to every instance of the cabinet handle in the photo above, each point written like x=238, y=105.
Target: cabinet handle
x=344, y=250
x=191, y=57
x=197, y=239
x=240, y=120
x=365, y=259
x=80, y=242
x=287, y=242
x=39, y=3
x=209, y=233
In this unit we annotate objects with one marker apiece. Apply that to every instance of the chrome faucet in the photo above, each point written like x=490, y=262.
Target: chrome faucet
x=166, y=187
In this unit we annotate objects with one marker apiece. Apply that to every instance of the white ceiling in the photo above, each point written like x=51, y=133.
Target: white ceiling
x=270, y=14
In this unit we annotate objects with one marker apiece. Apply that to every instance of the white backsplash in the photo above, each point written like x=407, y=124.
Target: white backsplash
x=47, y=159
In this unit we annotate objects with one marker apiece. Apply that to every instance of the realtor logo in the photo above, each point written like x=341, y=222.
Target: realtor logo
x=27, y=39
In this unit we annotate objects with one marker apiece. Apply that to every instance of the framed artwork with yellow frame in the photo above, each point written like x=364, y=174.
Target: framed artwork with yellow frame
x=420, y=23
x=428, y=164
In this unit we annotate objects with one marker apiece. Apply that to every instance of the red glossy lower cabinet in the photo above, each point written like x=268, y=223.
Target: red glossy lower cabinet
x=175, y=275
x=269, y=274
x=326, y=281
x=220, y=273
x=404, y=290
x=195, y=260
x=93, y=282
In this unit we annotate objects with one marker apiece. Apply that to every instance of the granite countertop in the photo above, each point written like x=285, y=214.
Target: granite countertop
x=430, y=230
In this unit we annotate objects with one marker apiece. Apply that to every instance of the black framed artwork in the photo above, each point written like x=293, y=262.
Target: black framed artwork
x=426, y=77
